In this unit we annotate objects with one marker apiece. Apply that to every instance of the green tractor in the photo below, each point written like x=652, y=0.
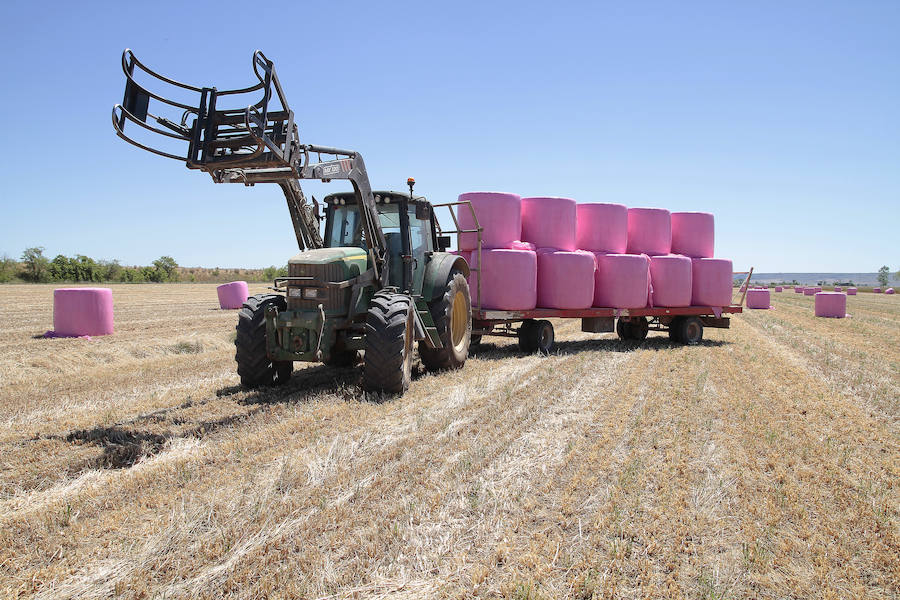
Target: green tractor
x=378, y=281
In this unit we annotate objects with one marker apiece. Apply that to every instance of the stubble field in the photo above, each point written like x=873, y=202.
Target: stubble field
x=762, y=463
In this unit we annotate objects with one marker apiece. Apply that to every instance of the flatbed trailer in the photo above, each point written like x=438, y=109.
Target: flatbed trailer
x=535, y=333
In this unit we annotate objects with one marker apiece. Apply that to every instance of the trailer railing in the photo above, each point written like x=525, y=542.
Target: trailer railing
x=458, y=231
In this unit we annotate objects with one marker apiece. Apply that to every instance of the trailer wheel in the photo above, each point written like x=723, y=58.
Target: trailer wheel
x=452, y=314
x=691, y=331
x=525, y=338
x=389, y=343
x=253, y=364
x=675, y=329
x=634, y=329
x=536, y=336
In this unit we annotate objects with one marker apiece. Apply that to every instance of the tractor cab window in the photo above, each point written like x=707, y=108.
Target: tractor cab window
x=346, y=229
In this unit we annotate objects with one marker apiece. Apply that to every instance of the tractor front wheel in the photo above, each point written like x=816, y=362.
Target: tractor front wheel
x=452, y=314
x=253, y=364
x=389, y=343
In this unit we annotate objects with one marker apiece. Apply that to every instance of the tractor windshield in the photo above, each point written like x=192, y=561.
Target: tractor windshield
x=347, y=230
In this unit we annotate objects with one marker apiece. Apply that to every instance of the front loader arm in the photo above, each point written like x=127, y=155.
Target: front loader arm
x=256, y=144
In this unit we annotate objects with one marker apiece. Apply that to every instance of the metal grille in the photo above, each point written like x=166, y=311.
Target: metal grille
x=331, y=299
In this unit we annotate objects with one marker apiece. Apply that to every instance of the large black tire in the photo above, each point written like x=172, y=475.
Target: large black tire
x=253, y=364
x=389, y=343
x=452, y=314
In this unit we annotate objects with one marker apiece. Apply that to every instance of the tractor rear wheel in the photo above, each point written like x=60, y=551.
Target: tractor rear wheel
x=253, y=363
x=389, y=343
x=452, y=314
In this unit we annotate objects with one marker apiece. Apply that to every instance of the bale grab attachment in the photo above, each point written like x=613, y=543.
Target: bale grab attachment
x=257, y=143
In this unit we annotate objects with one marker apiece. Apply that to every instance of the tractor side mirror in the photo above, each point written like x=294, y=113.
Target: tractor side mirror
x=443, y=243
x=422, y=212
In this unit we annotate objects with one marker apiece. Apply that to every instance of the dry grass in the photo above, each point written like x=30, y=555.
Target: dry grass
x=763, y=463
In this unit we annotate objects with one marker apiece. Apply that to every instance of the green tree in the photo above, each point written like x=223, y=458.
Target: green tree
x=36, y=264
x=883, y=274
x=8, y=268
x=166, y=266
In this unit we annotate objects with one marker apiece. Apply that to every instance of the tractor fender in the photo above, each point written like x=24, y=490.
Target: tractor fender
x=438, y=270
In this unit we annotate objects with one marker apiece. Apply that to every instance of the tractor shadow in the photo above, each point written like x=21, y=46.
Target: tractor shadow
x=489, y=351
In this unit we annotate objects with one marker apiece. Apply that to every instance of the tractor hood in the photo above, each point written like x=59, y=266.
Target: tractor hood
x=321, y=256
x=329, y=264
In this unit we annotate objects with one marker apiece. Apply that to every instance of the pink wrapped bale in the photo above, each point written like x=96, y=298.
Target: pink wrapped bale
x=838, y=288
x=82, y=311
x=549, y=222
x=670, y=280
x=602, y=227
x=851, y=291
x=693, y=234
x=711, y=281
x=649, y=231
x=565, y=280
x=778, y=288
x=889, y=291
x=798, y=290
x=758, y=299
x=232, y=295
x=876, y=290
x=499, y=214
x=809, y=291
x=831, y=304
x=508, y=279
x=621, y=280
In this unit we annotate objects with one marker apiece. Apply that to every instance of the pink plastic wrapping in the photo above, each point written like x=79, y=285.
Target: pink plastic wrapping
x=851, y=291
x=621, y=280
x=602, y=227
x=549, y=222
x=712, y=281
x=670, y=280
x=232, y=295
x=508, y=278
x=565, y=279
x=889, y=291
x=809, y=291
x=778, y=288
x=876, y=290
x=82, y=311
x=798, y=290
x=838, y=288
x=693, y=234
x=520, y=245
x=758, y=299
x=831, y=304
x=649, y=231
x=499, y=214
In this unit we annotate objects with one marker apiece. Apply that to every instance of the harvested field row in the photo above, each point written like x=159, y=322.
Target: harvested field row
x=763, y=462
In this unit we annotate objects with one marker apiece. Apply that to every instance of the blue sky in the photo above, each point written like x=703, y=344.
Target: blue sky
x=780, y=118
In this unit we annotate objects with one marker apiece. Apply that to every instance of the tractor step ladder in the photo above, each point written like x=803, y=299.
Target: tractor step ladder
x=431, y=332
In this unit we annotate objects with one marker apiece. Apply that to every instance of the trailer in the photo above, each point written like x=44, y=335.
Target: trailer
x=535, y=333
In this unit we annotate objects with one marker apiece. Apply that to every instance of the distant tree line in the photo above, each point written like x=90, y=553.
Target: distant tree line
x=34, y=267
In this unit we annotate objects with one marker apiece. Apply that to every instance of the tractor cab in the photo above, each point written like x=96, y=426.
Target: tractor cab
x=397, y=213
